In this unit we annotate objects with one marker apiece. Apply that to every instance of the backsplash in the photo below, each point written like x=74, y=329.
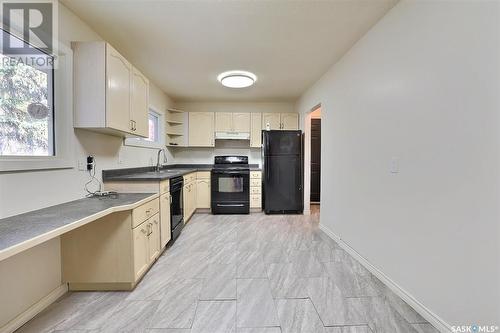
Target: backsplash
x=222, y=147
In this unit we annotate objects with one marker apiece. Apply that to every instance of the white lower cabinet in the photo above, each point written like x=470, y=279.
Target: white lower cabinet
x=165, y=226
x=113, y=252
x=203, y=190
x=255, y=190
x=154, y=238
x=141, y=252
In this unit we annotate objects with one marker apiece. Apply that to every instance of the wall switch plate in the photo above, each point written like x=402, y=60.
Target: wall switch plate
x=394, y=167
x=82, y=165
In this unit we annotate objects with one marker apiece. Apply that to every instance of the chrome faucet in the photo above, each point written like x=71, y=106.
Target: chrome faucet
x=158, y=165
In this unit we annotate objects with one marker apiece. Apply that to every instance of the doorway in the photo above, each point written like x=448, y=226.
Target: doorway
x=312, y=164
x=315, y=161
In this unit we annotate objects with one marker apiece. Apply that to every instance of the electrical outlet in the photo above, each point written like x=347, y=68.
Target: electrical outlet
x=394, y=168
x=90, y=162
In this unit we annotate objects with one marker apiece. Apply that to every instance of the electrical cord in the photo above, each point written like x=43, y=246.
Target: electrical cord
x=93, y=179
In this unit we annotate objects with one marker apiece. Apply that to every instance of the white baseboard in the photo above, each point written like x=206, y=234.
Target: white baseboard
x=35, y=309
x=427, y=314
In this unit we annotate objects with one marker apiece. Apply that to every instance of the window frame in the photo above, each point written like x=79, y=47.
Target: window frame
x=143, y=142
x=63, y=137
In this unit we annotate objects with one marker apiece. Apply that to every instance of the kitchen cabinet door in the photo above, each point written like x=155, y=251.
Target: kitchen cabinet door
x=256, y=130
x=290, y=121
x=193, y=197
x=273, y=119
x=141, y=250
x=118, y=76
x=154, y=237
x=241, y=122
x=203, y=193
x=165, y=232
x=201, y=129
x=186, y=200
x=223, y=122
x=139, y=104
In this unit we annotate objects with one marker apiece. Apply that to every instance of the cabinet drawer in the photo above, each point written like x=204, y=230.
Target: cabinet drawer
x=255, y=182
x=255, y=190
x=164, y=186
x=255, y=201
x=203, y=175
x=144, y=212
x=256, y=174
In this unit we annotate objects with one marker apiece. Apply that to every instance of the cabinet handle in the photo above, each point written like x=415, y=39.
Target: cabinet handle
x=148, y=212
x=156, y=221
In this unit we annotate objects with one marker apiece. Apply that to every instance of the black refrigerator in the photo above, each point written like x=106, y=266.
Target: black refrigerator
x=283, y=172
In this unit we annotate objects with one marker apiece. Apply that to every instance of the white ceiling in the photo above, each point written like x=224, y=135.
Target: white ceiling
x=183, y=45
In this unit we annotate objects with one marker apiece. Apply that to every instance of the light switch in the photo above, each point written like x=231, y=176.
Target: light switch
x=82, y=165
x=394, y=168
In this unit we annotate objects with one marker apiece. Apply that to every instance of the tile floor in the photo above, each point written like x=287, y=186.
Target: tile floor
x=245, y=274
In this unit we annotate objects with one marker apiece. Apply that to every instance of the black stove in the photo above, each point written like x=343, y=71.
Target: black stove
x=230, y=185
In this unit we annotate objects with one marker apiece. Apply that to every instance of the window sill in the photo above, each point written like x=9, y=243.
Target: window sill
x=24, y=164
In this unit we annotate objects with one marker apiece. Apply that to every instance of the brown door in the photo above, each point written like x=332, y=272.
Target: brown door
x=315, y=159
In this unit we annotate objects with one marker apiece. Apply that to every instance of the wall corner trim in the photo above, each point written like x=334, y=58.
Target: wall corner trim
x=427, y=314
x=35, y=309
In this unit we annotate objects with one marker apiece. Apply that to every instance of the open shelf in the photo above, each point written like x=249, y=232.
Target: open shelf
x=176, y=128
x=175, y=122
x=175, y=110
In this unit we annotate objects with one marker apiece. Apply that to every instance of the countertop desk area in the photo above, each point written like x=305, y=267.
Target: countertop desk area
x=99, y=243
x=21, y=232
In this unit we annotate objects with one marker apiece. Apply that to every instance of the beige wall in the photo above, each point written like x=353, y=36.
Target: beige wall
x=21, y=192
x=422, y=87
x=206, y=155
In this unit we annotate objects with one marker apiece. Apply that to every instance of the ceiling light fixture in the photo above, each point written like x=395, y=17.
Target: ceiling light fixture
x=237, y=79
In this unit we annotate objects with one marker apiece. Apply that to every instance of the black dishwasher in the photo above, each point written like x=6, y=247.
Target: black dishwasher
x=176, y=207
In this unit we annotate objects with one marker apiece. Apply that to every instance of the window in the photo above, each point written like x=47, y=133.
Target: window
x=154, y=127
x=26, y=108
x=36, y=111
x=156, y=132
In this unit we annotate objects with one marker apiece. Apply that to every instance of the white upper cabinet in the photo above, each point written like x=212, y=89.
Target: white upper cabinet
x=118, y=94
x=256, y=130
x=140, y=102
x=223, y=122
x=273, y=119
x=110, y=95
x=201, y=129
x=232, y=122
x=289, y=121
x=281, y=121
x=241, y=122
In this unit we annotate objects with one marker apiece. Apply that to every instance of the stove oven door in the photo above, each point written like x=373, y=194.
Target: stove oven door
x=230, y=191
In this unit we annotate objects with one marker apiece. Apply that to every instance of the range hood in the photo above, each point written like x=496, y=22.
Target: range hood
x=232, y=135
